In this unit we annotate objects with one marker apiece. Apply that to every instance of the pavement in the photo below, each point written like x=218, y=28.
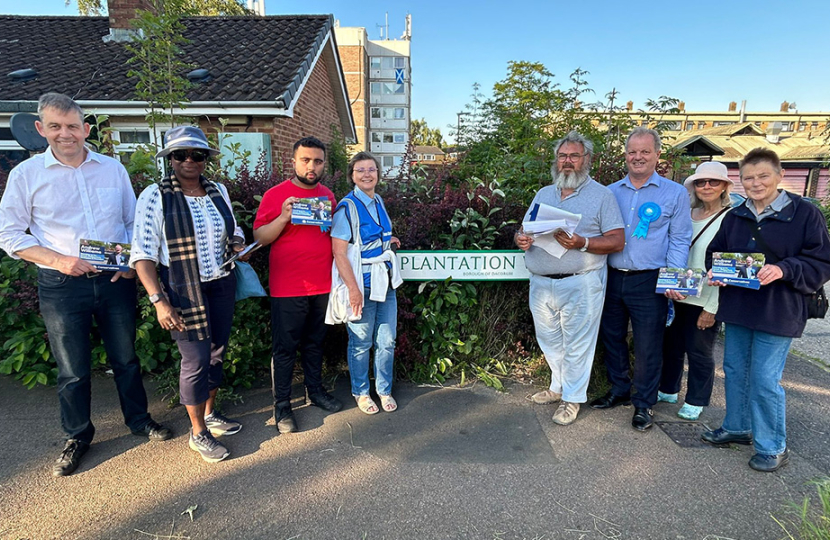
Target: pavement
x=452, y=462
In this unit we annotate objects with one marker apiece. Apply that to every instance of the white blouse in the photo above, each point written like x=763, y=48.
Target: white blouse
x=150, y=240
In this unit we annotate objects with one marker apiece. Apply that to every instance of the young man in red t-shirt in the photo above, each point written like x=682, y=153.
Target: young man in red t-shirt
x=300, y=281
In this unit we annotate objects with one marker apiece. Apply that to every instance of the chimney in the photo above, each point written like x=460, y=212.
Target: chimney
x=785, y=106
x=121, y=13
x=733, y=106
x=681, y=106
x=629, y=106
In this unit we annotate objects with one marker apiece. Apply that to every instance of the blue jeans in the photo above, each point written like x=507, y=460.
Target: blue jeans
x=631, y=296
x=753, y=363
x=68, y=305
x=378, y=326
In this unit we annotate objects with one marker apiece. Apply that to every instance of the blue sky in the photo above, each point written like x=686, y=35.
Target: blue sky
x=706, y=53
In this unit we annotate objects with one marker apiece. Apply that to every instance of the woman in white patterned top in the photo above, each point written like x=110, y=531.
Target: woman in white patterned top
x=185, y=226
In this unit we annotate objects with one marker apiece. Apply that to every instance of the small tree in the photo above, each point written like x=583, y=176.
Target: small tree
x=198, y=7
x=422, y=135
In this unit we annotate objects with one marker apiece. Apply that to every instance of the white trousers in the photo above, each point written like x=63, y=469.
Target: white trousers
x=566, y=314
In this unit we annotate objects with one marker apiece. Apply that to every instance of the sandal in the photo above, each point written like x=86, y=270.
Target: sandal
x=388, y=403
x=366, y=404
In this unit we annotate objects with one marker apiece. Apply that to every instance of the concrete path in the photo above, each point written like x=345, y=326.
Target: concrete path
x=452, y=463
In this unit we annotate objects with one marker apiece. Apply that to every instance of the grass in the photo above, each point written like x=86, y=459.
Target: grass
x=808, y=520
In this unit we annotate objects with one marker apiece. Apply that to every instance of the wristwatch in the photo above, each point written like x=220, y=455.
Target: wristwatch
x=584, y=248
x=154, y=298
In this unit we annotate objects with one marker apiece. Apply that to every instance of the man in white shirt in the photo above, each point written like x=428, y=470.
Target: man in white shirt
x=52, y=201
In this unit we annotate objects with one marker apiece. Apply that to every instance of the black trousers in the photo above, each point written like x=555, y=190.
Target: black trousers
x=684, y=339
x=297, y=323
x=630, y=296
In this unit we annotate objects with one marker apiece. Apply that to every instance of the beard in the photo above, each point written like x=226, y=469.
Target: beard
x=307, y=182
x=570, y=178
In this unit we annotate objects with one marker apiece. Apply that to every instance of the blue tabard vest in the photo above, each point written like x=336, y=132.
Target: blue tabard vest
x=375, y=237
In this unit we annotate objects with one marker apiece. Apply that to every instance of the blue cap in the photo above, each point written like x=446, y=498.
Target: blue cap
x=185, y=138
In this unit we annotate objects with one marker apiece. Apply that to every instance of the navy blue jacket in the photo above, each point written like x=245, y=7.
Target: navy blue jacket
x=797, y=242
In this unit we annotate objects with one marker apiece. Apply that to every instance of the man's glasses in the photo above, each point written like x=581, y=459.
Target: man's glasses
x=703, y=182
x=571, y=157
x=370, y=170
x=196, y=155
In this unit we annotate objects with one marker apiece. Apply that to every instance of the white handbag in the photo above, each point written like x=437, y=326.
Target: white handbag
x=339, y=309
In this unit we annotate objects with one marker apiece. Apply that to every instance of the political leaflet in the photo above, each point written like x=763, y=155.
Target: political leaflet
x=544, y=221
x=686, y=281
x=312, y=211
x=738, y=269
x=107, y=256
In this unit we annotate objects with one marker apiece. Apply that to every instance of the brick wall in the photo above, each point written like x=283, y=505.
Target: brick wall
x=121, y=12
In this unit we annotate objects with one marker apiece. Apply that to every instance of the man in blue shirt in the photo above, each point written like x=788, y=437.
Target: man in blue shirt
x=658, y=232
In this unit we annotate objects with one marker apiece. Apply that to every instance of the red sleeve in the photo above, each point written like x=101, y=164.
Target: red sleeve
x=270, y=207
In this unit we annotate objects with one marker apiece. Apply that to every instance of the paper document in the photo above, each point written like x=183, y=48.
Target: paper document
x=544, y=222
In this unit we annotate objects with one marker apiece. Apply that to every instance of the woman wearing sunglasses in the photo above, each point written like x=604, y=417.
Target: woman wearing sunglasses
x=692, y=333
x=371, y=294
x=185, y=225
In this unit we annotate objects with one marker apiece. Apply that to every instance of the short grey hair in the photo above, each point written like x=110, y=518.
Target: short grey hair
x=575, y=137
x=59, y=102
x=645, y=132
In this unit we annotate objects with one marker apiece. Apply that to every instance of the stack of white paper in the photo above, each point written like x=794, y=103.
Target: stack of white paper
x=548, y=221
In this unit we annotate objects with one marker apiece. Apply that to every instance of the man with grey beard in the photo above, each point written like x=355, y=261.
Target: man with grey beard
x=566, y=294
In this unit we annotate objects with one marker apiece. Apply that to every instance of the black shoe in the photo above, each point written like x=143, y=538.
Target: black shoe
x=769, y=463
x=325, y=401
x=154, y=431
x=609, y=401
x=643, y=419
x=284, y=417
x=70, y=457
x=722, y=437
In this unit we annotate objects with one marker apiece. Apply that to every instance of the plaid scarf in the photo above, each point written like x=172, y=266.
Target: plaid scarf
x=181, y=243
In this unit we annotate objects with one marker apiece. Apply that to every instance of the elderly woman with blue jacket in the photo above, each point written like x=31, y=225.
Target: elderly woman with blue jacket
x=760, y=324
x=371, y=294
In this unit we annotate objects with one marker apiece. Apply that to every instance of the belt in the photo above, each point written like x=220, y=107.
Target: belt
x=633, y=272
x=559, y=276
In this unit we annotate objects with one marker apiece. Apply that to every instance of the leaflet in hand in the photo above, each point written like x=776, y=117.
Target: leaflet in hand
x=687, y=281
x=109, y=256
x=250, y=249
x=739, y=269
x=544, y=221
x=312, y=211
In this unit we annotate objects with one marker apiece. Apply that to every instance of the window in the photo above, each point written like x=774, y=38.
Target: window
x=387, y=138
x=672, y=125
x=400, y=114
x=391, y=161
x=802, y=126
x=134, y=136
x=375, y=136
x=814, y=125
x=723, y=123
x=393, y=113
x=786, y=126
x=374, y=62
x=400, y=62
x=400, y=138
x=429, y=157
x=690, y=125
x=375, y=88
x=375, y=111
x=701, y=125
x=392, y=88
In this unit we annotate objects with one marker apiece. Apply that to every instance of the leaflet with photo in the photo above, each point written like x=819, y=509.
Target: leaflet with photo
x=250, y=249
x=312, y=211
x=739, y=269
x=687, y=281
x=110, y=256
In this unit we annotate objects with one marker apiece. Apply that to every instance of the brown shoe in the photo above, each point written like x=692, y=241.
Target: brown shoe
x=545, y=396
x=566, y=413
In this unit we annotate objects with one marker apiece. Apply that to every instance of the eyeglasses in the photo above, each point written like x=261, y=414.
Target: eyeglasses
x=571, y=157
x=704, y=181
x=370, y=170
x=196, y=155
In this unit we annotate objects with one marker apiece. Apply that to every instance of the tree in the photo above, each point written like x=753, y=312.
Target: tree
x=196, y=7
x=422, y=135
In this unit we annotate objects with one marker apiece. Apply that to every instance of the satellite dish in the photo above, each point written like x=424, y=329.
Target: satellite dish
x=23, y=130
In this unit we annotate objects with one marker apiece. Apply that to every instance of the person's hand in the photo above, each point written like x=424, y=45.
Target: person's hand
x=396, y=241
x=569, y=242
x=714, y=282
x=674, y=295
x=356, y=301
x=287, y=207
x=129, y=274
x=769, y=273
x=705, y=320
x=523, y=241
x=73, y=266
x=167, y=316
x=241, y=247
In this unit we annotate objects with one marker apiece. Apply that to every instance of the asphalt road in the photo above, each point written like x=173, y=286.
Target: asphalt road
x=450, y=463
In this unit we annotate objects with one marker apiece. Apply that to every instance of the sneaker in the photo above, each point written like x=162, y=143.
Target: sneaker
x=666, y=398
x=220, y=425
x=284, y=417
x=689, y=412
x=154, y=431
x=566, y=413
x=325, y=401
x=545, y=396
x=769, y=463
x=208, y=447
x=70, y=457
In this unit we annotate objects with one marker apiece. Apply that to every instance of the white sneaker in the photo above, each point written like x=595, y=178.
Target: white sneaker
x=566, y=413
x=545, y=396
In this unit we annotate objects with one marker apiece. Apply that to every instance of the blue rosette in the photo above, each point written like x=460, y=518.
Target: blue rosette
x=647, y=213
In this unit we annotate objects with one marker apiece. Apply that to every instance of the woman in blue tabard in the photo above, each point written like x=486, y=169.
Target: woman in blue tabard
x=372, y=294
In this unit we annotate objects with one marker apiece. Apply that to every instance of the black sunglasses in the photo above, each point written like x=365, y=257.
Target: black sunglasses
x=196, y=155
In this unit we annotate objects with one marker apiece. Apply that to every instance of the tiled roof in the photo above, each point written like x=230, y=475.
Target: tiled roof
x=429, y=150
x=249, y=58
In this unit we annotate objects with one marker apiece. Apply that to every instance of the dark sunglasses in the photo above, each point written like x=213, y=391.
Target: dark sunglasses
x=713, y=183
x=196, y=155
